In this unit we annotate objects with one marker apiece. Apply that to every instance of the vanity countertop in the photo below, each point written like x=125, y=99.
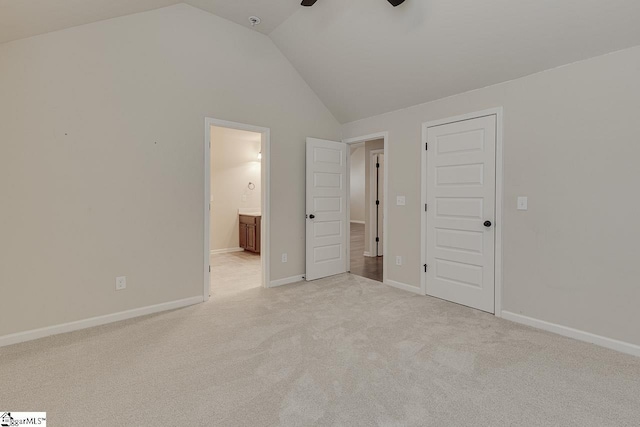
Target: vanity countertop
x=248, y=212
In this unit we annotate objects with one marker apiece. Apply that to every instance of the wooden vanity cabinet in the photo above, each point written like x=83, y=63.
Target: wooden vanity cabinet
x=250, y=233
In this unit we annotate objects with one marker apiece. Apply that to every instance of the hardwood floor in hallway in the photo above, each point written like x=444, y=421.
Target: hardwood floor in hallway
x=369, y=267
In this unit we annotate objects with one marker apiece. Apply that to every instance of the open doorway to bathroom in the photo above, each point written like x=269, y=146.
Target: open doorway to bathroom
x=236, y=212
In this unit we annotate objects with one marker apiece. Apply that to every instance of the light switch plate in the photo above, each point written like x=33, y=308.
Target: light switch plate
x=401, y=201
x=523, y=203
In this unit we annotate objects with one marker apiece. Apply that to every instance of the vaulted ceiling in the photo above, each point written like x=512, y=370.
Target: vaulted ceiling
x=25, y=18
x=364, y=57
x=271, y=12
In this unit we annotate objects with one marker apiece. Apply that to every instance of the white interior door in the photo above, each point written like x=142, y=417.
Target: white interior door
x=326, y=208
x=461, y=192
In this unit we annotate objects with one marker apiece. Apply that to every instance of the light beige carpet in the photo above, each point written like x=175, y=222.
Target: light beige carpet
x=340, y=351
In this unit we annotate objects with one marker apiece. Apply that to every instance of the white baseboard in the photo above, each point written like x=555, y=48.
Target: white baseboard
x=621, y=346
x=403, y=286
x=225, y=251
x=357, y=222
x=34, y=334
x=286, y=281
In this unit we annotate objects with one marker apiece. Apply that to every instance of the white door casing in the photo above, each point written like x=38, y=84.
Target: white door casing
x=326, y=206
x=265, y=197
x=461, y=198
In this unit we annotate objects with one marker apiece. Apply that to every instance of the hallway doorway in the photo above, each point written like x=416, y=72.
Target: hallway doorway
x=366, y=213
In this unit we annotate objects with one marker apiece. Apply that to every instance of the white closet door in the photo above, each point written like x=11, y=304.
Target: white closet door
x=461, y=192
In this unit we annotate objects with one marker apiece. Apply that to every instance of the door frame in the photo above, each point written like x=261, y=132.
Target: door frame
x=372, y=210
x=365, y=138
x=265, y=196
x=499, y=113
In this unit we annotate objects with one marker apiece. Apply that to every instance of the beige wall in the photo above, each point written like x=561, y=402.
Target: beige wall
x=357, y=180
x=369, y=146
x=101, y=158
x=571, y=144
x=234, y=164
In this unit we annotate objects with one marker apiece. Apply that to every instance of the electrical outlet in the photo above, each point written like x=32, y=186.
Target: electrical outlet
x=398, y=260
x=284, y=257
x=523, y=203
x=121, y=283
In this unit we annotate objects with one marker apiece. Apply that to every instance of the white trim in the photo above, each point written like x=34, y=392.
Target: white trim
x=359, y=139
x=497, y=307
x=348, y=203
x=287, y=281
x=499, y=113
x=404, y=286
x=265, y=197
x=225, y=251
x=367, y=253
x=423, y=214
x=365, y=138
x=621, y=346
x=356, y=222
x=35, y=334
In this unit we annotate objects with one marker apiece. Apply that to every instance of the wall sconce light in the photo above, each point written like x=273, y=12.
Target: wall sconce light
x=260, y=155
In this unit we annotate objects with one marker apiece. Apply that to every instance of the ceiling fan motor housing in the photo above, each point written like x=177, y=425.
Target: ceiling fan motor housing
x=308, y=3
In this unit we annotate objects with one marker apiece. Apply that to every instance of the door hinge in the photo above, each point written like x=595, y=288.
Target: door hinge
x=425, y=207
x=377, y=202
x=425, y=268
x=209, y=269
x=377, y=239
x=426, y=145
x=377, y=165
